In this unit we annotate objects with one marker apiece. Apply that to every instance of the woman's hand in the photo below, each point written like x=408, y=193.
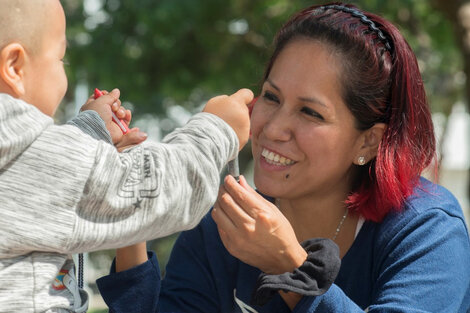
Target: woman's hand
x=254, y=230
x=132, y=138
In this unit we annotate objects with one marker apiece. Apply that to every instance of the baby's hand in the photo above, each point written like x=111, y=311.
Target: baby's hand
x=233, y=110
x=104, y=105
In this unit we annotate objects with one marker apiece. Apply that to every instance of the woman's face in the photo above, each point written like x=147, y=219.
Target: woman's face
x=303, y=137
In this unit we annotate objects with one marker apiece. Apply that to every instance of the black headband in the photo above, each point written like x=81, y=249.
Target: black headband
x=364, y=19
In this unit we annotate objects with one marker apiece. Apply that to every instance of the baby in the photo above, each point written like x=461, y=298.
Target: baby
x=66, y=189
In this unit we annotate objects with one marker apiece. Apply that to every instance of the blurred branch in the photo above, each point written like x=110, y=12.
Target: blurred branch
x=458, y=13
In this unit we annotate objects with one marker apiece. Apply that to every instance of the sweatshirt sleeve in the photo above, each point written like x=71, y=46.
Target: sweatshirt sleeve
x=91, y=123
x=154, y=189
x=69, y=193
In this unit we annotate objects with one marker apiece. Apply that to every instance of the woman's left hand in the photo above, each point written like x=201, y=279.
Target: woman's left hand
x=131, y=139
x=253, y=229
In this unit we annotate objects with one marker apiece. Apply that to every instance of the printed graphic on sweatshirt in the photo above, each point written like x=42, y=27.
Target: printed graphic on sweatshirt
x=58, y=283
x=141, y=173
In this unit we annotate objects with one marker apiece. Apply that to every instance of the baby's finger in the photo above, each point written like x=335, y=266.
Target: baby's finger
x=121, y=113
x=91, y=98
x=244, y=95
x=111, y=99
x=115, y=93
x=116, y=105
x=127, y=118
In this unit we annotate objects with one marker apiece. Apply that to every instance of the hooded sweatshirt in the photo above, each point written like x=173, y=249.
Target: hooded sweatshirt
x=64, y=192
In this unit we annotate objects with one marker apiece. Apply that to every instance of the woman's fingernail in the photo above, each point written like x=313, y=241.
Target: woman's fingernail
x=143, y=135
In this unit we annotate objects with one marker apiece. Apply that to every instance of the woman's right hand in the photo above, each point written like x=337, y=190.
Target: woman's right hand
x=253, y=229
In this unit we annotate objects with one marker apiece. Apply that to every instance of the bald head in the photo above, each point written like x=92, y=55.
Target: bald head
x=23, y=21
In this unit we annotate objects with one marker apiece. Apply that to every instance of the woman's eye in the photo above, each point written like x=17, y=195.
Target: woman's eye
x=270, y=97
x=310, y=112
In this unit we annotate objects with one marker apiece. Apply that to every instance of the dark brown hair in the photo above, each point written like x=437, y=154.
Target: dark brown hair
x=381, y=83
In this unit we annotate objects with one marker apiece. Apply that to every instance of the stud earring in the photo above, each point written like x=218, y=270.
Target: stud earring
x=361, y=160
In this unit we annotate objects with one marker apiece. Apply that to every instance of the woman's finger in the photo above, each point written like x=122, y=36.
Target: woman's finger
x=245, y=196
x=245, y=185
x=232, y=209
x=132, y=138
x=222, y=220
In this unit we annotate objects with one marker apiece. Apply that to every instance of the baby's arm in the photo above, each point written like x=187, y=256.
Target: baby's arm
x=134, y=255
x=160, y=188
x=88, y=196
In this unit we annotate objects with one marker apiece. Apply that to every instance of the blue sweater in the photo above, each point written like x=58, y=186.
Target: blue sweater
x=414, y=261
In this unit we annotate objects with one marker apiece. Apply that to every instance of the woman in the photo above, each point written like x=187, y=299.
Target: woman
x=340, y=135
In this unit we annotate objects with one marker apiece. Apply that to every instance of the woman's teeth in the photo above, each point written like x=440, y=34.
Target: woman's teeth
x=276, y=159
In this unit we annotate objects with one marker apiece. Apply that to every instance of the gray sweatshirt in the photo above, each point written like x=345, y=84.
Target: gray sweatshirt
x=64, y=192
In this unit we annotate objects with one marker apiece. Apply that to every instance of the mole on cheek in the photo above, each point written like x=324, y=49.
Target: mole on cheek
x=287, y=176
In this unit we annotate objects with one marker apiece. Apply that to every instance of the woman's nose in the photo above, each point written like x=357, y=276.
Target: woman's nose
x=278, y=126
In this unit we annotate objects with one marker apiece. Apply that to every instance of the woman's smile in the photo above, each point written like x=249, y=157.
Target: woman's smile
x=272, y=159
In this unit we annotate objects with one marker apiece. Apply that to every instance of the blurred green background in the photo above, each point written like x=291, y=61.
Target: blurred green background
x=169, y=56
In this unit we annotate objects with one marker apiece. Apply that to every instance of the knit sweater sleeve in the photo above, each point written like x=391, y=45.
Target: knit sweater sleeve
x=420, y=265
x=134, y=290
x=189, y=284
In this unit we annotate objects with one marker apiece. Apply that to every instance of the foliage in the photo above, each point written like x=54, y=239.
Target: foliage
x=166, y=52
x=153, y=50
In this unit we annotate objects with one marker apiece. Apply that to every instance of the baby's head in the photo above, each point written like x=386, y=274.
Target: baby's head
x=32, y=48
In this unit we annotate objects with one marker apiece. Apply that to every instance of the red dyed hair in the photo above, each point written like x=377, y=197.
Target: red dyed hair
x=381, y=83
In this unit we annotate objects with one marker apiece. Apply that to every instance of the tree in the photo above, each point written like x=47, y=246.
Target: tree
x=458, y=12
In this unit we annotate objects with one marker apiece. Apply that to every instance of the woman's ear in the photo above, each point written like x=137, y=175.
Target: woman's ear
x=370, y=140
x=12, y=62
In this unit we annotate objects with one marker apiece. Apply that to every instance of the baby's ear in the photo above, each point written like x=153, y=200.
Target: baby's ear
x=12, y=61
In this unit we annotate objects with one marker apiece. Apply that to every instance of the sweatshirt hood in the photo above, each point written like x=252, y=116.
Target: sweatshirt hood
x=20, y=124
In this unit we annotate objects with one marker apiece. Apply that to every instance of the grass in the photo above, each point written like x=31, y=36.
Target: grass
x=98, y=311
